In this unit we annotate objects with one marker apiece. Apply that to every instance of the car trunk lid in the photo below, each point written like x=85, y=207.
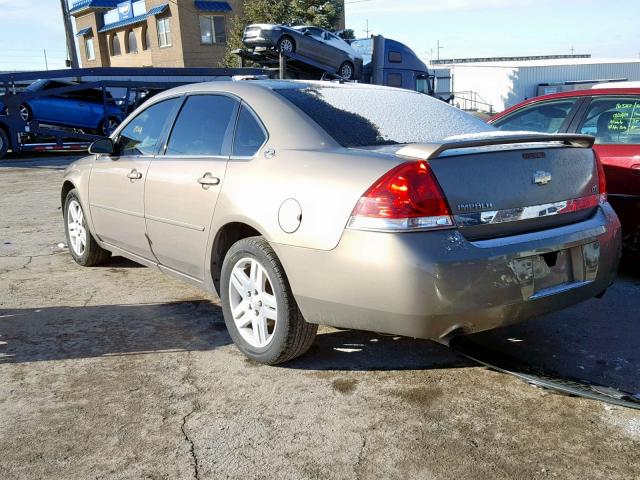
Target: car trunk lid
x=507, y=185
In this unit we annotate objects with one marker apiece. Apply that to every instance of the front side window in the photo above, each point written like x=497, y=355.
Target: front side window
x=132, y=42
x=212, y=29
x=202, y=126
x=249, y=135
x=546, y=117
x=141, y=135
x=164, y=32
x=88, y=46
x=613, y=120
x=115, y=45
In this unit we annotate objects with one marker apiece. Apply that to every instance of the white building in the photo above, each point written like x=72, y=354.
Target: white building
x=496, y=85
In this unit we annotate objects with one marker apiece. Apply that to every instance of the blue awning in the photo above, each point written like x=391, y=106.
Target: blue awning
x=84, y=4
x=212, y=6
x=84, y=31
x=132, y=21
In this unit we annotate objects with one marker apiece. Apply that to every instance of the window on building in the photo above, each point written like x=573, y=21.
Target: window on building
x=203, y=125
x=88, y=47
x=249, y=134
x=146, y=38
x=132, y=42
x=115, y=45
x=212, y=29
x=164, y=32
x=141, y=135
x=613, y=120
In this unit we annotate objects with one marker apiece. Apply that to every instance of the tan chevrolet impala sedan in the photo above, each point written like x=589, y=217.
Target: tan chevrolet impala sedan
x=307, y=203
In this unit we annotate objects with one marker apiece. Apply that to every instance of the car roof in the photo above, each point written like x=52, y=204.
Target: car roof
x=248, y=86
x=573, y=93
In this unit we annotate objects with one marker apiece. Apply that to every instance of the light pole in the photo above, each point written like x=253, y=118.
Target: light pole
x=71, y=42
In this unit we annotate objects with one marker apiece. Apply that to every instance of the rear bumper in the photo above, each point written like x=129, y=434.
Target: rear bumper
x=428, y=284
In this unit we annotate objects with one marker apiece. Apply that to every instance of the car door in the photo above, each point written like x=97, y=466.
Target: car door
x=184, y=181
x=550, y=116
x=55, y=109
x=615, y=122
x=316, y=46
x=77, y=107
x=116, y=185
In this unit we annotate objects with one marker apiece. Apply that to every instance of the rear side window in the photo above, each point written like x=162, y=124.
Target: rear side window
x=141, y=135
x=249, y=134
x=202, y=126
x=546, y=117
x=613, y=120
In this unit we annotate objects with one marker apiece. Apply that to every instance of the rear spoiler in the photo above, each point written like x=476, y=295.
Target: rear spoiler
x=428, y=151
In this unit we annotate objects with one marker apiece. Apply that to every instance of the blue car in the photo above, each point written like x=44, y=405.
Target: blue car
x=83, y=109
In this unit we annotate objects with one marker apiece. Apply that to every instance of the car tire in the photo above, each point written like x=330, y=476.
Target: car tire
x=113, y=124
x=4, y=142
x=346, y=70
x=25, y=113
x=259, y=309
x=286, y=44
x=83, y=247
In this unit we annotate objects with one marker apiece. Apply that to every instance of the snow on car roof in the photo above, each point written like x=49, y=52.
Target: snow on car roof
x=358, y=115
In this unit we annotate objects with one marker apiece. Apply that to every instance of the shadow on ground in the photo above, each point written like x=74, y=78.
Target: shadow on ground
x=358, y=350
x=596, y=341
x=58, y=333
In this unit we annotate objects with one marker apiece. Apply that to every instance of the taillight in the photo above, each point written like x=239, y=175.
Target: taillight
x=602, y=182
x=406, y=198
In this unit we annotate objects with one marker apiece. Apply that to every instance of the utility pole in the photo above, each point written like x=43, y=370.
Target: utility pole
x=572, y=50
x=71, y=42
x=46, y=63
x=366, y=30
x=438, y=48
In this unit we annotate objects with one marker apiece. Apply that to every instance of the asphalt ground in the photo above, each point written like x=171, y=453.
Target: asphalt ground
x=120, y=372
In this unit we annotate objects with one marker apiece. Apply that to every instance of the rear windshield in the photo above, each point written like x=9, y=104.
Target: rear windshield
x=361, y=116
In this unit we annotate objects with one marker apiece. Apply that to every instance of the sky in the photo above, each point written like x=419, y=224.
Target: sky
x=465, y=28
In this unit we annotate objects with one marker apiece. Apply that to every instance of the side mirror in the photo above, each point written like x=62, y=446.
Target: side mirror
x=308, y=34
x=103, y=146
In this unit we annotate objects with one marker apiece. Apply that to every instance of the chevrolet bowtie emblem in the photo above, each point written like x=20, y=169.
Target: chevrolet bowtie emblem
x=541, y=178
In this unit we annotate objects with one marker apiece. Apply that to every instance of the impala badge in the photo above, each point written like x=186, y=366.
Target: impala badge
x=541, y=178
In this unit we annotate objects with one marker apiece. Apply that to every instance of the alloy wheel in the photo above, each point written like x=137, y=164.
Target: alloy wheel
x=110, y=127
x=24, y=113
x=253, y=302
x=346, y=71
x=76, y=228
x=286, y=45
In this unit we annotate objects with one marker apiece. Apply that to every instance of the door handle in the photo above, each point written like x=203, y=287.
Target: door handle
x=208, y=180
x=134, y=175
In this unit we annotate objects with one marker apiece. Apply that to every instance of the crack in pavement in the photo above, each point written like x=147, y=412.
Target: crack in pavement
x=358, y=466
x=189, y=379
x=192, y=448
x=29, y=260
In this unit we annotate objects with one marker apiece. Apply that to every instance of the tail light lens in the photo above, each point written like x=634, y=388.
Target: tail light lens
x=602, y=182
x=406, y=198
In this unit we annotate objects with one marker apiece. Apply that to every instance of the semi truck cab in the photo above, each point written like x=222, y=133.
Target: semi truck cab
x=393, y=64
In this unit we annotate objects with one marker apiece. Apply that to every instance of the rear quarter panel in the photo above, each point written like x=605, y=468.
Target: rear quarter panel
x=326, y=183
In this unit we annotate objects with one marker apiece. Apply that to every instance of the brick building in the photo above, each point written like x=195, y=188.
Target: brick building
x=153, y=33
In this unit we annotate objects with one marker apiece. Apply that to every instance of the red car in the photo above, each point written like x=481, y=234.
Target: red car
x=612, y=115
